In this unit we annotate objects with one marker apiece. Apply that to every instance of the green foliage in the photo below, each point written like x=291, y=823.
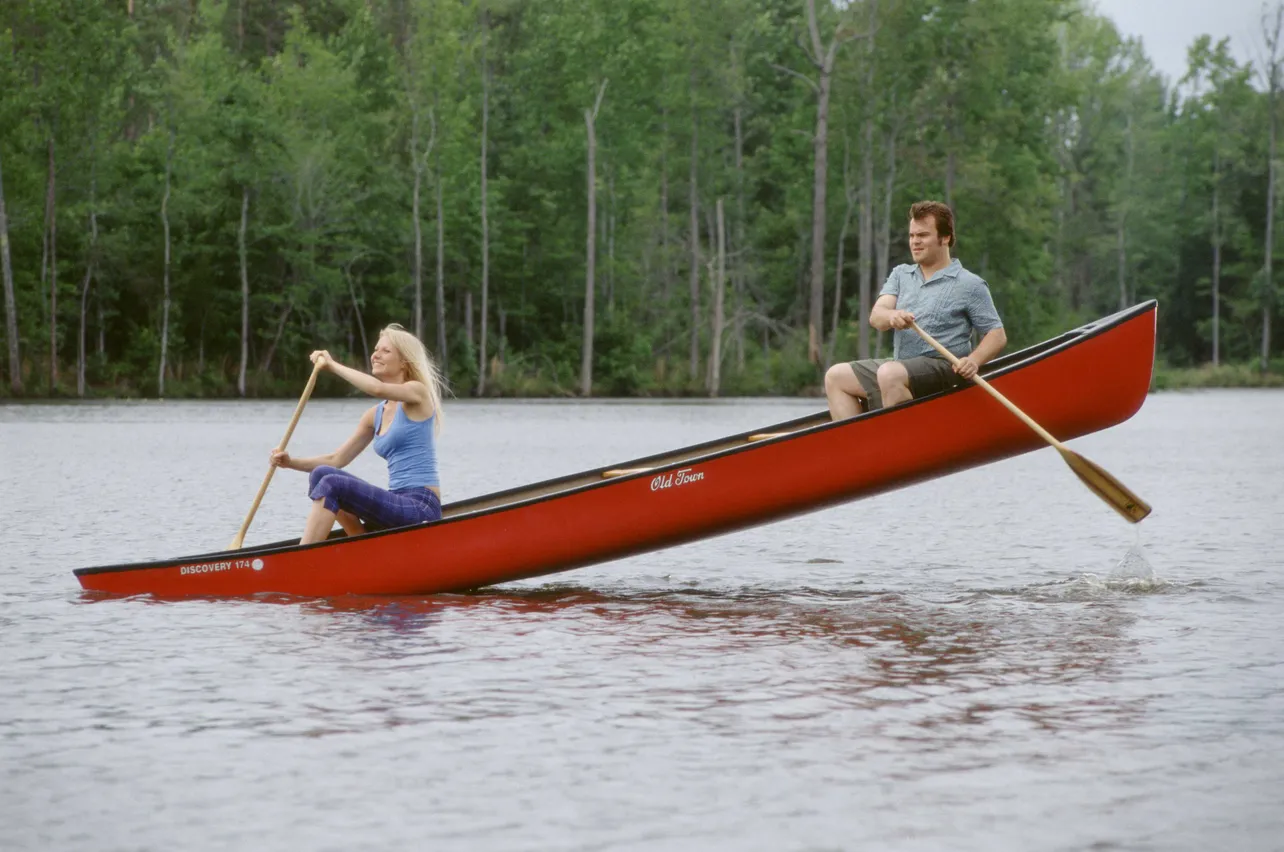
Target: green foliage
x=1080, y=177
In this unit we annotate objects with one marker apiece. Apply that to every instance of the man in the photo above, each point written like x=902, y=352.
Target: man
x=945, y=299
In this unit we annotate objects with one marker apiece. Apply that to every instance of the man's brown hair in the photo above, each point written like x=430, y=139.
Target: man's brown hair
x=939, y=211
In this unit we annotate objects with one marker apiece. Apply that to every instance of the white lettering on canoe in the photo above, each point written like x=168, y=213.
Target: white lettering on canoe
x=214, y=567
x=676, y=478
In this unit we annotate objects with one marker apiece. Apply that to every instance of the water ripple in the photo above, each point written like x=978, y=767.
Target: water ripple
x=842, y=680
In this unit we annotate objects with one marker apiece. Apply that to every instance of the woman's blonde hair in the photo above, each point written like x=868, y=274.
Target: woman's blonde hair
x=419, y=366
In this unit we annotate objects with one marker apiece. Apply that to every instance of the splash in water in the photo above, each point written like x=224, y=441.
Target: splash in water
x=1132, y=574
x=1134, y=565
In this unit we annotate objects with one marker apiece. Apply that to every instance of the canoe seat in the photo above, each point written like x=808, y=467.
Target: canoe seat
x=762, y=436
x=623, y=471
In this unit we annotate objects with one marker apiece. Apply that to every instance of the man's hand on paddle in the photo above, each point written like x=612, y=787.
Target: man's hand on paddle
x=900, y=320
x=966, y=367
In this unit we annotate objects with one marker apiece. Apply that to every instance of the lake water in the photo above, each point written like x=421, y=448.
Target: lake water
x=990, y=661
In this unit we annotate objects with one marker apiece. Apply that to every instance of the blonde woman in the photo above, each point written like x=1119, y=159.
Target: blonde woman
x=403, y=427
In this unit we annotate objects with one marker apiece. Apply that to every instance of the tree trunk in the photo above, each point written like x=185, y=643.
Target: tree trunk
x=442, y=359
x=10, y=306
x=741, y=248
x=417, y=285
x=884, y=242
x=1121, y=231
x=694, y=236
x=866, y=238
x=950, y=165
x=590, y=251
x=276, y=338
x=823, y=59
x=468, y=319
x=503, y=334
x=356, y=307
x=951, y=142
x=1217, y=254
x=820, y=147
x=164, y=346
x=666, y=258
x=610, y=241
x=485, y=223
x=51, y=205
x=719, y=290
x=81, y=355
x=242, y=256
x=838, y=260
x=1273, y=74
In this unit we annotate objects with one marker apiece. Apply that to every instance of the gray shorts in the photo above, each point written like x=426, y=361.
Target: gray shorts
x=927, y=375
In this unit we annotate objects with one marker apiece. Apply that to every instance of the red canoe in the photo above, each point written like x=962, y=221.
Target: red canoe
x=695, y=492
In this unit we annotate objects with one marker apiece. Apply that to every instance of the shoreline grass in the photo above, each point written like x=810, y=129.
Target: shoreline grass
x=1222, y=376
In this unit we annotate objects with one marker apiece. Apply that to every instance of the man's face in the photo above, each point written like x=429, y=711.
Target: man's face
x=925, y=245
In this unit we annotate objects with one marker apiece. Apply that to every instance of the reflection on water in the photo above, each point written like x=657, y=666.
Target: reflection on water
x=899, y=652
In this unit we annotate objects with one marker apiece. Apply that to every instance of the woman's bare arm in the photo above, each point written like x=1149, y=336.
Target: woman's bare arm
x=341, y=457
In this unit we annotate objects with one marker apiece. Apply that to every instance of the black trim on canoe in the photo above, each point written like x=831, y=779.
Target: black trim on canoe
x=662, y=462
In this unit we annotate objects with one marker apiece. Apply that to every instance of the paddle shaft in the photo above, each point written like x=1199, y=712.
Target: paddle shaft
x=1025, y=418
x=294, y=421
x=1112, y=491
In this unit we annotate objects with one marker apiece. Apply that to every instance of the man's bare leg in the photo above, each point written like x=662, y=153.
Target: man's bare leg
x=893, y=382
x=844, y=391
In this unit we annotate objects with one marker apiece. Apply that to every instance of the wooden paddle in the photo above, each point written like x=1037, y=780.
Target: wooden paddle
x=258, y=498
x=1101, y=483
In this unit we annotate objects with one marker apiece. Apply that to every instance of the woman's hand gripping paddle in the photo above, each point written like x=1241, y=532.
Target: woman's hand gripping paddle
x=258, y=498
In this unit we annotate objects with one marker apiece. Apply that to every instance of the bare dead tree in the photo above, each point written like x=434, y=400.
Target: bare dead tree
x=442, y=359
x=1121, y=220
x=822, y=58
x=1216, y=239
x=741, y=249
x=590, y=247
x=419, y=164
x=165, y=300
x=666, y=259
x=719, y=293
x=81, y=355
x=10, y=307
x=356, y=302
x=243, y=262
x=51, y=242
x=693, y=279
x=850, y=194
x=1271, y=68
x=485, y=221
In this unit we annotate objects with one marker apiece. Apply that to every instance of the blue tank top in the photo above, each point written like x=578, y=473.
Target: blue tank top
x=409, y=447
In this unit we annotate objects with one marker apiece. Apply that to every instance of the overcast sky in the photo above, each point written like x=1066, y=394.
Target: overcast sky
x=1167, y=27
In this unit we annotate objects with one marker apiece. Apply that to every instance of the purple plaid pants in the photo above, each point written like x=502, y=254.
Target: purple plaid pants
x=376, y=507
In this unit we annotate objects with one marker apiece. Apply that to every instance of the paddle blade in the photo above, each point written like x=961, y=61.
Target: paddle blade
x=1115, y=493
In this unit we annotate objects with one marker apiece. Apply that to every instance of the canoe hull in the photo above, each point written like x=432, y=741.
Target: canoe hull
x=1094, y=381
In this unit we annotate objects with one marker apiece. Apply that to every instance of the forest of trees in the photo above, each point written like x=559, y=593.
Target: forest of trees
x=606, y=197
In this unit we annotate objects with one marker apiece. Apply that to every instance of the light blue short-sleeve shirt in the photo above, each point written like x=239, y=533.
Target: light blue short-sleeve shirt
x=947, y=306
